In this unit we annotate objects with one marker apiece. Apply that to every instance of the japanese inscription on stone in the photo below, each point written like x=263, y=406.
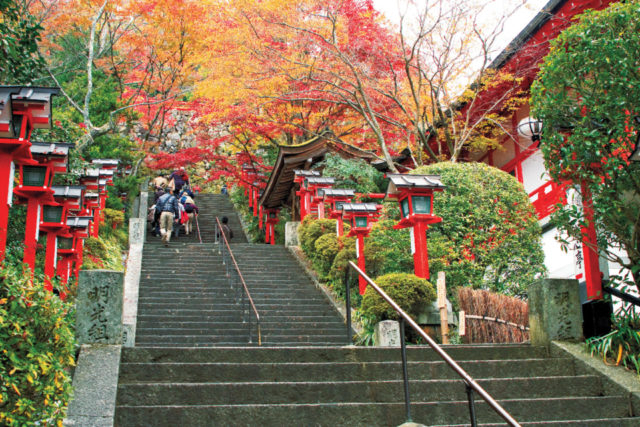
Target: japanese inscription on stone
x=99, y=308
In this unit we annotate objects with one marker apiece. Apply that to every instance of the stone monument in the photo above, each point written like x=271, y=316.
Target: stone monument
x=99, y=307
x=555, y=312
x=387, y=334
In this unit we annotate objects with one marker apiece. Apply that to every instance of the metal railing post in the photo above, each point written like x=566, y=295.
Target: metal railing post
x=237, y=285
x=472, y=405
x=405, y=373
x=470, y=383
x=348, y=307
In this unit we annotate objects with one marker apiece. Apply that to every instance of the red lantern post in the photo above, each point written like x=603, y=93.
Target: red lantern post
x=415, y=195
x=336, y=198
x=272, y=220
x=35, y=190
x=304, y=193
x=71, y=250
x=54, y=223
x=317, y=185
x=362, y=216
x=22, y=109
x=91, y=180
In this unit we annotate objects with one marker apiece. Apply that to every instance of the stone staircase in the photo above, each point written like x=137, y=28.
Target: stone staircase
x=192, y=365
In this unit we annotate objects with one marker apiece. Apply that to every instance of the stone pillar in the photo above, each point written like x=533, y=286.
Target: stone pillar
x=137, y=228
x=291, y=233
x=387, y=334
x=99, y=307
x=555, y=312
x=144, y=205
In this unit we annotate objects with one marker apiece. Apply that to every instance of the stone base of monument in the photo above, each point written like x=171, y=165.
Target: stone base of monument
x=387, y=334
x=429, y=319
x=555, y=312
x=291, y=233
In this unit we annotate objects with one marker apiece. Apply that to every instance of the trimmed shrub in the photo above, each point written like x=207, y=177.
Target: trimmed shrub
x=36, y=351
x=411, y=292
x=327, y=247
x=311, y=229
x=489, y=237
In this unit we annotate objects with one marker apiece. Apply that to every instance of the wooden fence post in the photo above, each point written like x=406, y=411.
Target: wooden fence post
x=442, y=305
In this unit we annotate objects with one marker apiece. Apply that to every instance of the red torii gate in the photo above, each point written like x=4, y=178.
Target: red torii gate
x=272, y=220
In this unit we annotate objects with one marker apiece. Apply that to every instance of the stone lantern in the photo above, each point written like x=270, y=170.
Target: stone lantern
x=304, y=193
x=34, y=189
x=362, y=216
x=414, y=193
x=22, y=109
x=336, y=198
x=317, y=185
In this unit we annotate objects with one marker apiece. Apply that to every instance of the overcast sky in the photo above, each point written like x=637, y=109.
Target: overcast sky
x=390, y=8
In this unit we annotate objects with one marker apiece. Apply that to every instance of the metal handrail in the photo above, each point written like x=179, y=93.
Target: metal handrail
x=469, y=382
x=227, y=254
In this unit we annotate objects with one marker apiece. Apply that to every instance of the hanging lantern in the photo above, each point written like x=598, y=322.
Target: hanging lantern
x=530, y=127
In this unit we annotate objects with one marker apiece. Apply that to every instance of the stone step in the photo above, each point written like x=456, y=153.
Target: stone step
x=239, y=329
x=272, y=312
x=266, y=324
x=235, y=340
x=373, y=390
x=219, y=300
x=230, y=317
x=352, y=371
x=195, y=290
x=333, y=354
x=370, y=414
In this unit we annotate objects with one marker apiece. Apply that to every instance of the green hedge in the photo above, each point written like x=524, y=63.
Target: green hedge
x=411, y=292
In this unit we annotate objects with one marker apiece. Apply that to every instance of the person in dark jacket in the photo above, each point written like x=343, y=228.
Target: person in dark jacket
x=225, y=229
x=180, y=178
x=169, y=210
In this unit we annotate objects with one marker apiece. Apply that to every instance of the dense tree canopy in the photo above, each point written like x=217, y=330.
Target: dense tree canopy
x=587, y=96
x=20, y=34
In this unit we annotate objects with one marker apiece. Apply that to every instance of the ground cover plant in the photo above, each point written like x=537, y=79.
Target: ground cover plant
x=621, y=346
x=36, y=351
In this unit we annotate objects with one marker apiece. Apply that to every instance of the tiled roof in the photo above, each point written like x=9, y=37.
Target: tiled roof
x=360, y=207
